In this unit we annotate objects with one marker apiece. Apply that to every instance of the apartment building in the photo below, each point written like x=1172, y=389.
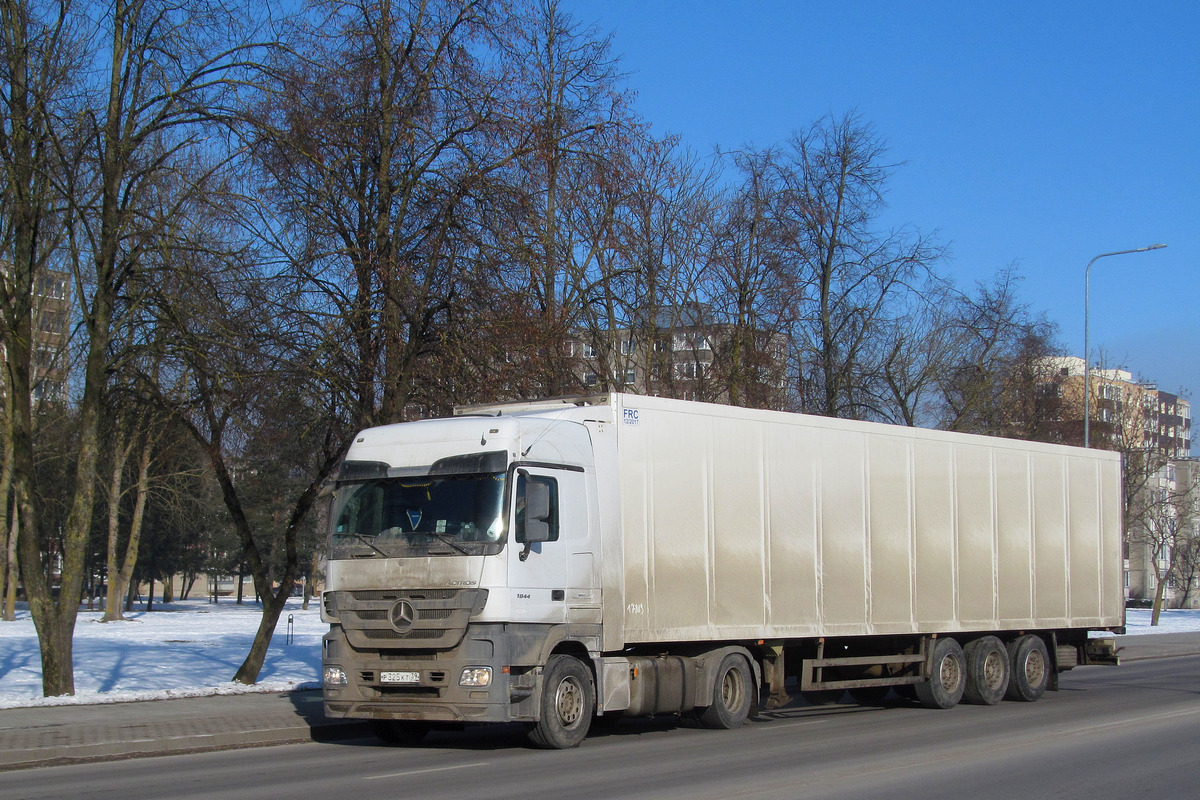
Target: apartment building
x=1125, y=413
x=51, y=334
x=1140, y=419
x=682, y=353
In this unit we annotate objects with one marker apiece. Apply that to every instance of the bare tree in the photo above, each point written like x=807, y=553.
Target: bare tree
x=754, y=293
x=564, y=186
x=258, y=390
x=38, y=61
x=373, y=144
x=156, y=72
x=1166, y=516
x=999, y=360
x=1187, y=567
x=849, y=279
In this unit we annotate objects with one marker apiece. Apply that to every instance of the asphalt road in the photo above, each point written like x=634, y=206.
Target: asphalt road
x=1108, y=733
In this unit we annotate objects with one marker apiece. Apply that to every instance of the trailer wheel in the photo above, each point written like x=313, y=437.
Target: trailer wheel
x=987, y=671
x=947, y=676
x=1030, y=668
x=731, y=695
x=400, y=732
x=568, y=698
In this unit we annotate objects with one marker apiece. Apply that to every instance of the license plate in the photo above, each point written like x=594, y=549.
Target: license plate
x=399, y=677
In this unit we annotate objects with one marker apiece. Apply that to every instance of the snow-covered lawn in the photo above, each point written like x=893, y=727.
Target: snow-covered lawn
x=193, y=648
x=177, y=650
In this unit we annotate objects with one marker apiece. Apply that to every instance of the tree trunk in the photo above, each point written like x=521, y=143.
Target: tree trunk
x=7, y=540
x=116, y=584
x=10, y=595
x=273, y=604
x=10, y=592
x=1159, y=591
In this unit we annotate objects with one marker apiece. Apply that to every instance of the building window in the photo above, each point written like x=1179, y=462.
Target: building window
x=689, y=370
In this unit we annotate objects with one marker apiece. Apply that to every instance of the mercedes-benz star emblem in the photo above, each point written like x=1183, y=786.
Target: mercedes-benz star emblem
x=402, y=615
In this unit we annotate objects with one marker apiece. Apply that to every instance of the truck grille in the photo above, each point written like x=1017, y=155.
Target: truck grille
x=426, y=618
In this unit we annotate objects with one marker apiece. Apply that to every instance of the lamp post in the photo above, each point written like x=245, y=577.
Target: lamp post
x=1087, y=375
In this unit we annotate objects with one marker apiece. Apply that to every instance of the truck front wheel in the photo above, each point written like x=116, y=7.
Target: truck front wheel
x=731, y=695
x=947, y=676
x=568, y=698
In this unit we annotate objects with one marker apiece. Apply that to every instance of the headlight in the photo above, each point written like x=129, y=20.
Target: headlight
x=335, y=676
x=475, y=676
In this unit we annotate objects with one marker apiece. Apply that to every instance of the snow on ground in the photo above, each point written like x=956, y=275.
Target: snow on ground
x=192, y=648
x=181, y=649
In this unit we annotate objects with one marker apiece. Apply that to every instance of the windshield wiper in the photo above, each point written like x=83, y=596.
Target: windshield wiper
x=365, y=540
x=445, y=538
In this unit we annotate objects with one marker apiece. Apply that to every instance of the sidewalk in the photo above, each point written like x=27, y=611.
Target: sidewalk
x=62, y=734
x=32, y=737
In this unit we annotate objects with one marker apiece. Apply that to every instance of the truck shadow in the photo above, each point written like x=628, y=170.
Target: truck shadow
x=483, y=738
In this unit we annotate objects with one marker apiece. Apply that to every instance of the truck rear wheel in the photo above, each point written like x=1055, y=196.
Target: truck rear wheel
x=568, y=698
x=987, y=671
x=1030, y=668
x=731, y=695
x=947, y=676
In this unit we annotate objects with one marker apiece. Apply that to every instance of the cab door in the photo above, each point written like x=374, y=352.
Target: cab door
x=552, y=565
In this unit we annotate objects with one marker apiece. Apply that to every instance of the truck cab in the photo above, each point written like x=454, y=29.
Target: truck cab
x=463, y=555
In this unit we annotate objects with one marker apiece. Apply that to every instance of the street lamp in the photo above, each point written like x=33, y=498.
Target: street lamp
x=1087, y=377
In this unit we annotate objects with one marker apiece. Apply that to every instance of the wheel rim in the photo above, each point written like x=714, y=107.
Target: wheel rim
x=951, y=673
x=568, y=701
x=993, y=669
x=731, y=690
x=1035, y=668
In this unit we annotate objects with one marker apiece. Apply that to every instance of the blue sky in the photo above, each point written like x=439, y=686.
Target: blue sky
x=1039, y=134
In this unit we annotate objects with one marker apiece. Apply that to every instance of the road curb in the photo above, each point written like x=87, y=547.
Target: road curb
x=121, y=748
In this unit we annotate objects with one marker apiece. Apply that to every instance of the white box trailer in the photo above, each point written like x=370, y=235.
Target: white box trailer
x=617, y=554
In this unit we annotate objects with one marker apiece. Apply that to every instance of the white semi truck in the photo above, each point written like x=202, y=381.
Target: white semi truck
x=556, y=561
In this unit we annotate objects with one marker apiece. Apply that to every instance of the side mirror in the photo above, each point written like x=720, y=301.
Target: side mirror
x=537, y=515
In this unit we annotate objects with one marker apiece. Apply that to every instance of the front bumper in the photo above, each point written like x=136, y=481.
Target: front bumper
x=437, y=696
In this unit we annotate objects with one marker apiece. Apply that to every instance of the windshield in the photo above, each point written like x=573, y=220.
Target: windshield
x=419, y=516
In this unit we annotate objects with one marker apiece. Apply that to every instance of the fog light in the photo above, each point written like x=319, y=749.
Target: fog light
x=475, y=676
x=335, y=676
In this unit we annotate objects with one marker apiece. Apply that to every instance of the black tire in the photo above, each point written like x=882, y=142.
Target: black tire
x=731, y=695
x=947, y=676
x=906, y=691
x=870, y=695
x=568, y=701
x=988, y=671
x=822, y=697
x=400, y=732
x=1031, y=667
